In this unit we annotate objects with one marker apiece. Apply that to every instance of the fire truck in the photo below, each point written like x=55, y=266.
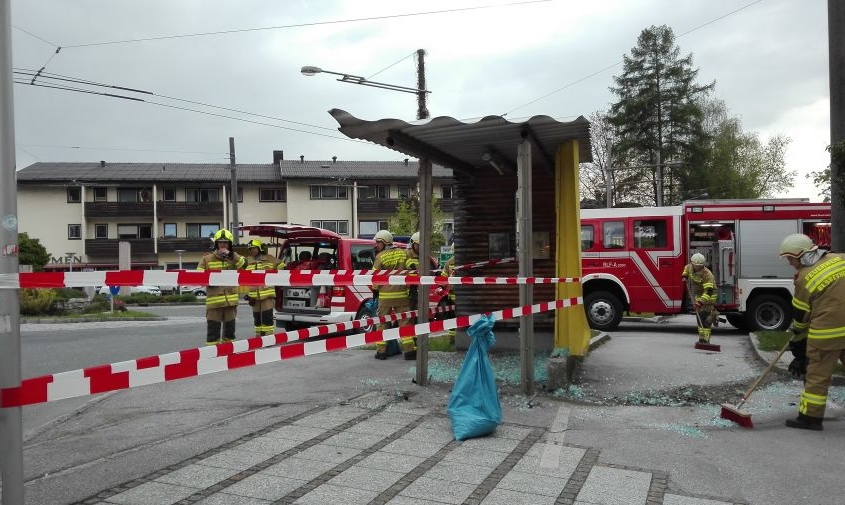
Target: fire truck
x=632, y=258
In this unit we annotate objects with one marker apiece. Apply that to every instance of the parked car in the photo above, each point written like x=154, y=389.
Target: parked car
x=198, y=291
x=152, y=290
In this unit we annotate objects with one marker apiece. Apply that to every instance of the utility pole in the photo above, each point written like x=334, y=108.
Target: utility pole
x=608, y=171
x=659, y=181
x=836, y=44
x=425, y=227
x=234, y=190
x=11, y=422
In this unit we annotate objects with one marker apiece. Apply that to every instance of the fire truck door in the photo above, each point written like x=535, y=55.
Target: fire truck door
x=724, y=270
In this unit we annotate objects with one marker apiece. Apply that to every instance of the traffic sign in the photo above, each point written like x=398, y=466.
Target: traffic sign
x=114, y=290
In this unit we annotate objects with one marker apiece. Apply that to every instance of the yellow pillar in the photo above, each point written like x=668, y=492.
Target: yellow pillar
x=572, y=334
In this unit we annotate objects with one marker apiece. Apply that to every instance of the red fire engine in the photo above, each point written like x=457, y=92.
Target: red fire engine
x=632, y=258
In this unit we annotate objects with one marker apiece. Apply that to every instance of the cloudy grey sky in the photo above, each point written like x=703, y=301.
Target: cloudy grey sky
x=769, y=59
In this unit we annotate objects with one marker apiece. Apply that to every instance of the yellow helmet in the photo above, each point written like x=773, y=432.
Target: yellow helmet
x=795, y=245
x=385, y=236
x=256, y=243
x=221, y=236
x=697, y=259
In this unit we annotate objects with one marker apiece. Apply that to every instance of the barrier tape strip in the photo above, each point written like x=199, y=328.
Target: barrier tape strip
x=104, y=378
x=252, y=278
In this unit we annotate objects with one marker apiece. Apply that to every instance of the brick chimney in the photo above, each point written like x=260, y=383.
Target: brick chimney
x=278, y=156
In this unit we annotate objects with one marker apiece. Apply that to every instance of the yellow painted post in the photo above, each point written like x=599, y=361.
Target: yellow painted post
x=572, y=334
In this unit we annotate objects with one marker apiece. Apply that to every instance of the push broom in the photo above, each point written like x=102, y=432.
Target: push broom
x=733, y=412
x=700, y=345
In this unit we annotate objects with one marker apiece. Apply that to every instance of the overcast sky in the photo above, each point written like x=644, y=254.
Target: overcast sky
x=769, y=60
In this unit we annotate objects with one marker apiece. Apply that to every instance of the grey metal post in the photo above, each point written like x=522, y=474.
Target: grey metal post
x=11, y=427
x=659, y=181
x=234, y=191
x=836, y=44
x=425, y=268
x=608, y=173
x=525, y=253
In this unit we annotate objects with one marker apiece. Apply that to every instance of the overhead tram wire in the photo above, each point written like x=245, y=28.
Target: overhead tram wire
x=54, y=146
x=302, y=25
x=620, y=61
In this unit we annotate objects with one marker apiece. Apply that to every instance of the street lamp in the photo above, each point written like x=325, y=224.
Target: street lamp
x=310, y=71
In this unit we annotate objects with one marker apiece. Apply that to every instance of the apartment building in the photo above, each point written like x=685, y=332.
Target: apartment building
x=166, y=211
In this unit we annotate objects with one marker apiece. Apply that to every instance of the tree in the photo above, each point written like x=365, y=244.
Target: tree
x=406, y=221
x=32, y=252
x=733, y=163
x=658, y=115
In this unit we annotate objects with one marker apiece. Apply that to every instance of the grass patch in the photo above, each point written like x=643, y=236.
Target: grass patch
x=442, y=343
x=775, y=340
x=117, y=314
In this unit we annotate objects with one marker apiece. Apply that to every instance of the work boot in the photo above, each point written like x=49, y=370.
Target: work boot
x=229, y=331
x=805, y=423
x=212, y=332
x=381, y=355
x=411, y=355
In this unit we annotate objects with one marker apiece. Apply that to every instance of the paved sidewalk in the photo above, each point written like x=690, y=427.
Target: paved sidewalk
x=383, y=449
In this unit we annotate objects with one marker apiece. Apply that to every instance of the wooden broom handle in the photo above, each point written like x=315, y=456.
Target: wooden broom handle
x=763, y=376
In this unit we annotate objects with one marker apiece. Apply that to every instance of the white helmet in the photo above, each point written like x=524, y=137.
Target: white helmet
x=385, y=236
x=697, y=259
x=795, y=245
x=415, y=238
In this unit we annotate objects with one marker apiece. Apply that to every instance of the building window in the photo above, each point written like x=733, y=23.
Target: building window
x=101, y=194
x=240, y=195
x=169, y=230
x=404, y=191
x=201, y=195
x=329, y=192
x=101, y=231
x=369, y=228
x=446, y=192
x=74, y=195
x=272, y=194
x=372, y=192
x=169, y=194
x=127, y=231
x=74, y=231
x=202, y=230
x=339, y=227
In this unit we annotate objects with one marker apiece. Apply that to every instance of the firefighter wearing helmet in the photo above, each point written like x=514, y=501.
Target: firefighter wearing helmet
x=221, y=302
x=262, y=299
x=701, y=286
x=392, y=298
x=818, y=324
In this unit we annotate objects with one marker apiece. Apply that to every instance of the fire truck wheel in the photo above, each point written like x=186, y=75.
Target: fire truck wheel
x=738, y=321
x=604, y=310
x=769, y=312
x=361, y=314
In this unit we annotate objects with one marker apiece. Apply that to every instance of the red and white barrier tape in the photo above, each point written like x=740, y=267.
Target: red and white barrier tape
x=192, y=363
x=479, y=264
x=251, y=278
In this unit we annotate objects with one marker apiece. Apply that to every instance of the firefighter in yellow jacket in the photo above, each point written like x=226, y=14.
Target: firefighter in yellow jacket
x=262, y=298
x=221, y=302
x=701, y=284
x=391, y=298
x=818, y=324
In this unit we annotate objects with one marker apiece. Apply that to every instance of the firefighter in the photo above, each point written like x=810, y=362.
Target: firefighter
x=448, y=271
x=701, y=284
x=221, y=302
x=412, y=262
x=818, y=323
x=262, y=298
x=390, y=297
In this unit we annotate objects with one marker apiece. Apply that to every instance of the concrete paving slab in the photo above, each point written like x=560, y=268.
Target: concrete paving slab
x=442, y=491
x=508, y=497
x=458, y=472
x=614, y=486
x=371, y=479
x=152, y=493
x=674, y=499
x=330, y=453
x=524, y=482
x=295, y=432
x=328, y=493
x=392, y=461
x=299, y=468
x=264, y=486
x=197, y=476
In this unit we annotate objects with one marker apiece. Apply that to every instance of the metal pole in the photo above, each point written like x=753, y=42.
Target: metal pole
x=234, y=195
x=11, y=427
x=659, y=181
x=836, y=44
x=525, y=253
x=422, y=109
x=608, y=171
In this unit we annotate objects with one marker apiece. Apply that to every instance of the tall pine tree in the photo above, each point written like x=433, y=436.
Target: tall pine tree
x=658, y=115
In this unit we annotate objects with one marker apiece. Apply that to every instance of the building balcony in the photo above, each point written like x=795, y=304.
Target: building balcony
x=117, y=209
x=192, y=209
x=168, y=245
x=141, y=250
x=389, y=205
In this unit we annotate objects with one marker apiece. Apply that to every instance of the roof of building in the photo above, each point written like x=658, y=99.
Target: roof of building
x=61, y=172
x=475, y=147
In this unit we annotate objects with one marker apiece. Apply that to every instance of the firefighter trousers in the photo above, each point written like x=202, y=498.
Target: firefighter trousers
x=385, y=307
x=820, y=367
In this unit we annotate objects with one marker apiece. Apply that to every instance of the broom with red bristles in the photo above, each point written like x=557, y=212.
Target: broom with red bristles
x=732, y=412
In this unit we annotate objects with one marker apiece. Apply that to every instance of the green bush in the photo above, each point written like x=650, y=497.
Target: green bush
x=68, y=293
x=36, y=301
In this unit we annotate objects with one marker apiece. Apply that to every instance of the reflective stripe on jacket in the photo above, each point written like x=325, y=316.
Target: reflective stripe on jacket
x=391, y=259
x=221, y=296
x=263, y=262
x=703, y=284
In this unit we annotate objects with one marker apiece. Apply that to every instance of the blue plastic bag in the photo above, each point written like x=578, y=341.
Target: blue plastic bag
x=393, y=347
x=474, y=407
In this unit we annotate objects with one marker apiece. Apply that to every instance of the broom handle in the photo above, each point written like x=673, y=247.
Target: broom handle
x=763, y=376
x=689, y=292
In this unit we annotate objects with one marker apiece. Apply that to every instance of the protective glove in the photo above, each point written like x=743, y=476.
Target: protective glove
x=375, y=294
x=798, y=367
x=697, y=304
x=799, y=348
x=413, y=296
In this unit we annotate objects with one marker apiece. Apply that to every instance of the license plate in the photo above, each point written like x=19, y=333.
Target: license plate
x=299, y=293
x=296, y=303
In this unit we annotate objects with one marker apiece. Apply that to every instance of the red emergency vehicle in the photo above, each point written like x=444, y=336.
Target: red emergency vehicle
x=310, y=248
x=632, y=258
